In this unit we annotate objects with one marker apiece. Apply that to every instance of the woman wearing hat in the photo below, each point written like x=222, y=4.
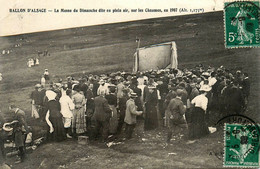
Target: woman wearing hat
x=198, y=127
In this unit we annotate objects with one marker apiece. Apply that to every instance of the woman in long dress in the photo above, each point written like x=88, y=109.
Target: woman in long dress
x=79, y=120
x=54, y=118
x=198, y=127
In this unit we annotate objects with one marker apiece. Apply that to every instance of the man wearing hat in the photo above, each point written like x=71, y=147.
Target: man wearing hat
x=130, y=115
x=20, y=130
x=36, y=101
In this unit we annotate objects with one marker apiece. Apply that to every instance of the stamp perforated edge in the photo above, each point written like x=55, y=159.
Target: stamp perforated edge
x=224, y=156
x=224, y=20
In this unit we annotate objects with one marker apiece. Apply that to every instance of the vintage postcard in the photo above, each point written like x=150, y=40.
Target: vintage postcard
x=129, y=84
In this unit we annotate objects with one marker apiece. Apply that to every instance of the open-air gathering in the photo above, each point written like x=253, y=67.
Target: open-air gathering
x=154, y=93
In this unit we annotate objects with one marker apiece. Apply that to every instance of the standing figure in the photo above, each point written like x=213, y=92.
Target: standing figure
x=54, y=117
x=46, y=76
x=79, y=120
x=102, y=115
x=67, y=107
x=112, y=102
x=20, y=131
x=102, y=87
x=37, y=62
x=175, y=111
x=120, y=87
x=43, y=81
x=122, y=108
x=150, y=104
x=235, y=102
x=130, y=115
x=36, y=101
x=198, y=127
x=240, y=21
x=90, y=106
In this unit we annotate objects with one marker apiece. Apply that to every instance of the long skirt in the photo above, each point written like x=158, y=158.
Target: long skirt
x=59, y=132
x=79, y=121
x=151, y=119
x=198, y=127
x=113, y=123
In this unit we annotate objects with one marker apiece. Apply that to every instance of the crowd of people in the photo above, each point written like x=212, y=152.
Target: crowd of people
x=107, y=106
x=169, y=97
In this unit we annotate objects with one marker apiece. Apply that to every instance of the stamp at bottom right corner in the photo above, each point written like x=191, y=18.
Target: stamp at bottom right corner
x=241, y=147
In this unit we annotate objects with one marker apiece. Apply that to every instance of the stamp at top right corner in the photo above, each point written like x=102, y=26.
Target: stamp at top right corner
x=242, y=24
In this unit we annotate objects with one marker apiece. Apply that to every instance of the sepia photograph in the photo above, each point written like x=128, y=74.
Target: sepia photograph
x=173, y=91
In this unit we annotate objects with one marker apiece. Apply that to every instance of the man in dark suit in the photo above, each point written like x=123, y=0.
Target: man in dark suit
x=102, y=115
x=20, y=130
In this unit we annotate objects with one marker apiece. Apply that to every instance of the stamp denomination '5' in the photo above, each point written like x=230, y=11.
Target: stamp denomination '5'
x=242, y=24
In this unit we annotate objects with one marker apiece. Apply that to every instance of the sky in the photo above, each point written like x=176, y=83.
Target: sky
x=12, y=23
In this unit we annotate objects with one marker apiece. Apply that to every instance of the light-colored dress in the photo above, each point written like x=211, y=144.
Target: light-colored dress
x=79, y=120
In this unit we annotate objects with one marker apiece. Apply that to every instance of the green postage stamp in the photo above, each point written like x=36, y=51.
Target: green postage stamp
x=242, y=24
x=241, y=147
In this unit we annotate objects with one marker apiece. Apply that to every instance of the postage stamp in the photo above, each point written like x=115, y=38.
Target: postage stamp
x=241, y=145
x=242, y=24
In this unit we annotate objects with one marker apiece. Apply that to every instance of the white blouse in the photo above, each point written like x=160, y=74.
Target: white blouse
x=200, y=101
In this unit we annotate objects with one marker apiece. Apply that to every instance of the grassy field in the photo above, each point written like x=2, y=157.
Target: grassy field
x=107, y=48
